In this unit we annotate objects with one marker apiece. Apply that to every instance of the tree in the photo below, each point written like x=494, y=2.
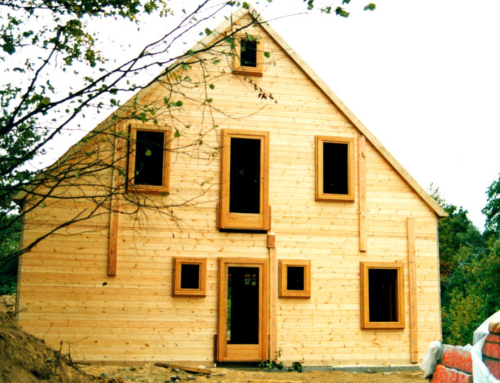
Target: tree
x=55, y=73
x=492, y=209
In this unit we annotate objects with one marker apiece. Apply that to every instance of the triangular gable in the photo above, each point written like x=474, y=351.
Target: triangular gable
x=216, y=35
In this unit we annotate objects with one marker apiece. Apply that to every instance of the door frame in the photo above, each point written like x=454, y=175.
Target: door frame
x=243, y=353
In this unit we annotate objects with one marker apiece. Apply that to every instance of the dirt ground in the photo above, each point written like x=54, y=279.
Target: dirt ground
x=153, y=374
x=26, y=359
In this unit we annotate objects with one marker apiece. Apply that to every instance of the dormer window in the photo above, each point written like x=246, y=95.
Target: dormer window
x=248, y=54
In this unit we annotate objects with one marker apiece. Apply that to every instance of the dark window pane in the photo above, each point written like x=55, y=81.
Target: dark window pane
x=243, y=305
x=149, y=158
x=244, y=185
x=248, y=53
x=190, y=276
x=382, y=291
x=295, y=278
x=335, y=179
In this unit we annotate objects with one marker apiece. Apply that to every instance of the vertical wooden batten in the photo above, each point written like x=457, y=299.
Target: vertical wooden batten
x=413, y=291
x=117, y=186
x=273, y=296
x=362, y=193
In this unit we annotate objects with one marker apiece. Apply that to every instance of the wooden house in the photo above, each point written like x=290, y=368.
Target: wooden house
x=279, y=223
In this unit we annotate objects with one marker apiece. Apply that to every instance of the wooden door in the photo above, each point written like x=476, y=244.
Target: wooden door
x=243, y=310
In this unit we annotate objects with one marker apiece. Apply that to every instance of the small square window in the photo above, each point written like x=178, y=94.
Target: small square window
x=248, y=55
x=295, y=279
x=190, y=276
x=149, y=160
x=334, y=169
x=382, y=295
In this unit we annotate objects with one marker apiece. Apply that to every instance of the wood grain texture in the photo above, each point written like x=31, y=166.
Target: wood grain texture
x=66, y=294
x=412, y=264
x=273, y=303
x=362, y=194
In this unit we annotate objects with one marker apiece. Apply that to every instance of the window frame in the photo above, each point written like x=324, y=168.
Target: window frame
x=201, y=291
x=320, y=195
x=365, y=304
x=244, y=221
x=248, y=70
x=283, y=274
x=165, y=187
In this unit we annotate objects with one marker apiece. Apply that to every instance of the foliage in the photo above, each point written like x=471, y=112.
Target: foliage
x=492, y=209
x=470, y=265
x=8, y=265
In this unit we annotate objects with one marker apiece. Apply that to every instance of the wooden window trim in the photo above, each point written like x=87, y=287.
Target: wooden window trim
x=165, y=187
x=244, y=221
x=248, y=70
x=365, y=309
x=177, y=291
x=283, y=268
x=320, y=196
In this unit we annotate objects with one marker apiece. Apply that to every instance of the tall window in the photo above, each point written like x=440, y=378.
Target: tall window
x=382, y=295
x=334, y=168
x=244, y=200
x=149, y=159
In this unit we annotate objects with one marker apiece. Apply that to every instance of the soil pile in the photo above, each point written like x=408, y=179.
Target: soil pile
x=26, y=359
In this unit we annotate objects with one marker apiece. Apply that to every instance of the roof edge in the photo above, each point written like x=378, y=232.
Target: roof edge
x=350, y=115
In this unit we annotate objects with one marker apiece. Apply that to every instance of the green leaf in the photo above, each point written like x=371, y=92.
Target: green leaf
x=341, y=12
x=179, y=103
x=148, y=153
x=208, y=32
x=370, y=7
x=216, y=62
x=177, y=134
x=43, y=205
x=346, y=1
x=212, y=86
x=245, y=5
x=46, y=101
x=267, y=54
x=250, y=37
x=163, y=194
x=209, y=100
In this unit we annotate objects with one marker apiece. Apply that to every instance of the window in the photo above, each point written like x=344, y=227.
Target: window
x=248, y=54
x=382, y=295
x=149, y=159
x=244, y=199
x=190, y=277
x=295, y=279
x=334, y=169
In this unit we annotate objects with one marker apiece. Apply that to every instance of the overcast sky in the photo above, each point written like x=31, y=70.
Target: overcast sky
x=423, y=76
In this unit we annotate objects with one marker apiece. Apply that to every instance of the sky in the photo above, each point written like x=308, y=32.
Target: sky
x=423, y=76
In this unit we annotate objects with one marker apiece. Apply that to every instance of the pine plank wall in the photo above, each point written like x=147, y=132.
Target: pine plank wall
x=66, y=294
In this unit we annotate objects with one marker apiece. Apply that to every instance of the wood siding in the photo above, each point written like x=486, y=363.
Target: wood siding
x=66, y=293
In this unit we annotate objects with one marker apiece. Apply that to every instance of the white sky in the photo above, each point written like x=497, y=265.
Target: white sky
x=423, y=76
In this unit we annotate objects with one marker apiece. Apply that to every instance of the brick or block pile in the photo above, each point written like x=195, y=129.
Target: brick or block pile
x=491, y=354
x=456, y=367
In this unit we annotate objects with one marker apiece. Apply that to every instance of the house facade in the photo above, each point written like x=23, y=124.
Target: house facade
x=257, y=215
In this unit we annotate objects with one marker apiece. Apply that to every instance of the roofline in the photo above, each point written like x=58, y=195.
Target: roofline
x=350, y=116
x=215, y=35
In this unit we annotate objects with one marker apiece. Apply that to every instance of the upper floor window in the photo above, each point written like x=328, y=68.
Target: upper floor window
x=248, y=54
x=335, y=168
x=244, y=199
x=149, y=159
x=382, y=295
